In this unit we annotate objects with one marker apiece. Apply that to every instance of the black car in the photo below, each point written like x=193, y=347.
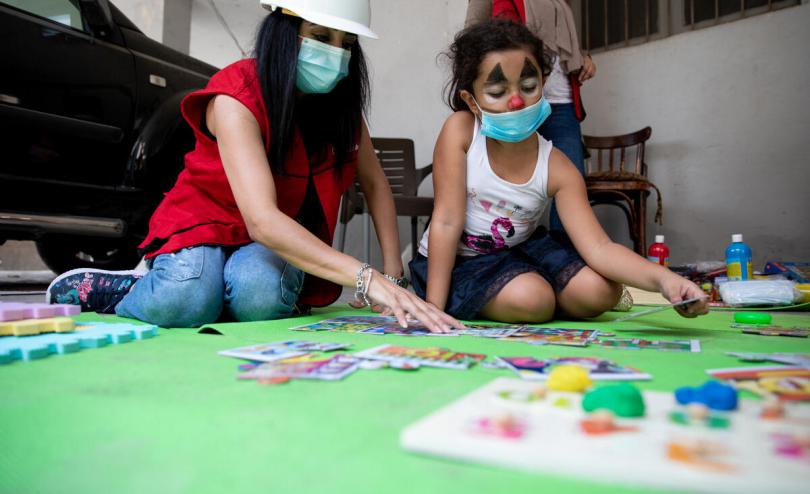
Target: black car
x=90, y=129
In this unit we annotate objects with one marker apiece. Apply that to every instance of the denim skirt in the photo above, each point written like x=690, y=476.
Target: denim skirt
x=477, y=279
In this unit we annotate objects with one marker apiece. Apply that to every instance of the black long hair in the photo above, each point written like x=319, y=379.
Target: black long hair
x=327, y=122
x=471, y=45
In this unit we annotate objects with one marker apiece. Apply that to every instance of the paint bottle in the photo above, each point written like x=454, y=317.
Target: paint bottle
x=659, y=252
x=738, y=259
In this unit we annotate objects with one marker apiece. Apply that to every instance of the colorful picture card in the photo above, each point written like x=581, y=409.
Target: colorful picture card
x=791, y=383
x=332, y=368
x=799, y=359
x=599, y=369
x=428, y=357
x=641, y=344
x=370, y=325
x=489, y=331
x=772, y=330
x=556, y=336
x=341, y=327
x=413, y=329
x=270, y=352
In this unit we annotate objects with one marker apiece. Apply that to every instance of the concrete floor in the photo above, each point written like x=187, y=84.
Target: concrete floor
x=23, y=275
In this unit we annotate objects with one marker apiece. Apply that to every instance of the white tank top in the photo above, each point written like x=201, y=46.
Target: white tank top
x=557, y=88
x=499, y=214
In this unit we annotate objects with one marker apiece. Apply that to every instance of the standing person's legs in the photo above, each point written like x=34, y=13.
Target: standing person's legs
x=183, y=289
x=562, y=129
x=260, y=285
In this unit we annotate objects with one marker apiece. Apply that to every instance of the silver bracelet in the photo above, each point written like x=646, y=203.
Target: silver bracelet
x=361, y=284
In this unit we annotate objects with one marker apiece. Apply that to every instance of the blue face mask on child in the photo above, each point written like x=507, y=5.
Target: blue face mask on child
x=320, y=66
x=514, y=126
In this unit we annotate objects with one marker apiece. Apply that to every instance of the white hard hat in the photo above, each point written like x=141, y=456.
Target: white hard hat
x=352, y=16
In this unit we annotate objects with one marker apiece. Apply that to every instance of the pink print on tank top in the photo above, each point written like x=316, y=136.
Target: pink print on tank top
x=486, y=244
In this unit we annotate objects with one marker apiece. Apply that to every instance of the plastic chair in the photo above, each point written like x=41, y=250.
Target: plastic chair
x=612, y=178
x=399, y=164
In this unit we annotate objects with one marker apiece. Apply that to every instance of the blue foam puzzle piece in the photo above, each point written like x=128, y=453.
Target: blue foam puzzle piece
x=713, y=394
x=116, y=335
x=27, y=349
x=138, y=331
x=94, y=335
x=61, y=343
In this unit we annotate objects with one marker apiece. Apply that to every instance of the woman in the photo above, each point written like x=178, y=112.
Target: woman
x=553, y=22
x=248, y=226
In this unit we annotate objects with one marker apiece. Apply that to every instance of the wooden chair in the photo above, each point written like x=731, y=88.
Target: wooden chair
x=399, y=164
x=616, y=174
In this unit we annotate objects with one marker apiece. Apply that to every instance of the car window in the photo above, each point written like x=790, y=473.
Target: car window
x=62, y=11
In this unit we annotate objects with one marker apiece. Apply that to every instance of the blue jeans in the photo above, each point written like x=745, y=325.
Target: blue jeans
x=562, y=129
x=192, y=287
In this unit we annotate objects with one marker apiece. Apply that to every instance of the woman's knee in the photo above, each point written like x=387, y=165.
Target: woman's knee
x=263, y=294
x=184, y=304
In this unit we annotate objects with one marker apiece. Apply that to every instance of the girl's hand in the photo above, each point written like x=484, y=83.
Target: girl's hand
x=405, y=305
x=677, y=289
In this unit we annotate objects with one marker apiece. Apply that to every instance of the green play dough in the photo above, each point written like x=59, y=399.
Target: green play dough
x=752, y=318
x=624, y=400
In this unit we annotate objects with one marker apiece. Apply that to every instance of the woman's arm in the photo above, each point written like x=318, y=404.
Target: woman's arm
x=248, y=171
x=380, y=204
x=611, y=260
x=450, y=203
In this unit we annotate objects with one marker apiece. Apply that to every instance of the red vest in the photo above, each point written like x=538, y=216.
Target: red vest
x=200, y=209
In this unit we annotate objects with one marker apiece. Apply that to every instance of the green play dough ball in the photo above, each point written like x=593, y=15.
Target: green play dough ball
x=624, y=400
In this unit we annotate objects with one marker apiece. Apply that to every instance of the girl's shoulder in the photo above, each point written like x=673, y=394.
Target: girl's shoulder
x=459, y=128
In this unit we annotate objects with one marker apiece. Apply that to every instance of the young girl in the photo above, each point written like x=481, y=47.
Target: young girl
x=484, y=253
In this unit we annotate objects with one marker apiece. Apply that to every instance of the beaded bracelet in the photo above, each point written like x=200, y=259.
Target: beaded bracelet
x=361, y=284
x=400, y=282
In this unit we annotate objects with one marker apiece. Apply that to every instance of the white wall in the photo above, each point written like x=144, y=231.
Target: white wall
x=729, y=107
x=730, y=111
x=146, y=14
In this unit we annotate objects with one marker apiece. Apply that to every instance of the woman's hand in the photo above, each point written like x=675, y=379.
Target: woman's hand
x=588, y=69
x=405, y=305
x=677, y=289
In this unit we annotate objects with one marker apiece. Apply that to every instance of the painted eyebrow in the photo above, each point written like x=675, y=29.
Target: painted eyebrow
x=529, y=70
x=495, y=76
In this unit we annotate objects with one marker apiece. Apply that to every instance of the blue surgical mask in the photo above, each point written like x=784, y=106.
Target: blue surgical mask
x=514, y=126
x=320, y=66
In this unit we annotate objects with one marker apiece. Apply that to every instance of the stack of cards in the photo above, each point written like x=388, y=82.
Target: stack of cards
x=332, y=368
x=270, y=352
x=294, y=359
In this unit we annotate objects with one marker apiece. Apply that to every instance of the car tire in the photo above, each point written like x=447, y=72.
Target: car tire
x=63, y=252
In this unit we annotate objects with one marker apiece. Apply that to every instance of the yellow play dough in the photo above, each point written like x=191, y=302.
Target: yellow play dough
x=569, y=378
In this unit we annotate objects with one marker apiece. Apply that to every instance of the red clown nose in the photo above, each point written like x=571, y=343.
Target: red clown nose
x=516, y=103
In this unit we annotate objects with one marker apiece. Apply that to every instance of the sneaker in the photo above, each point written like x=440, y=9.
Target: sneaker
x=92, y=289
x=625, y=303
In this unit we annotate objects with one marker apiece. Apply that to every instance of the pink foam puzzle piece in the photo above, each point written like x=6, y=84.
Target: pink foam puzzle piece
x=67, y=309
x=10, y=312
x=29, y=310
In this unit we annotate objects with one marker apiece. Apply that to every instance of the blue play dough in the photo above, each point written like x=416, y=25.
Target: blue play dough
x=715, y=395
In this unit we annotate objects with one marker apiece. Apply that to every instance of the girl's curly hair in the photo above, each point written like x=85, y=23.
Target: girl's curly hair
x=474, y=43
